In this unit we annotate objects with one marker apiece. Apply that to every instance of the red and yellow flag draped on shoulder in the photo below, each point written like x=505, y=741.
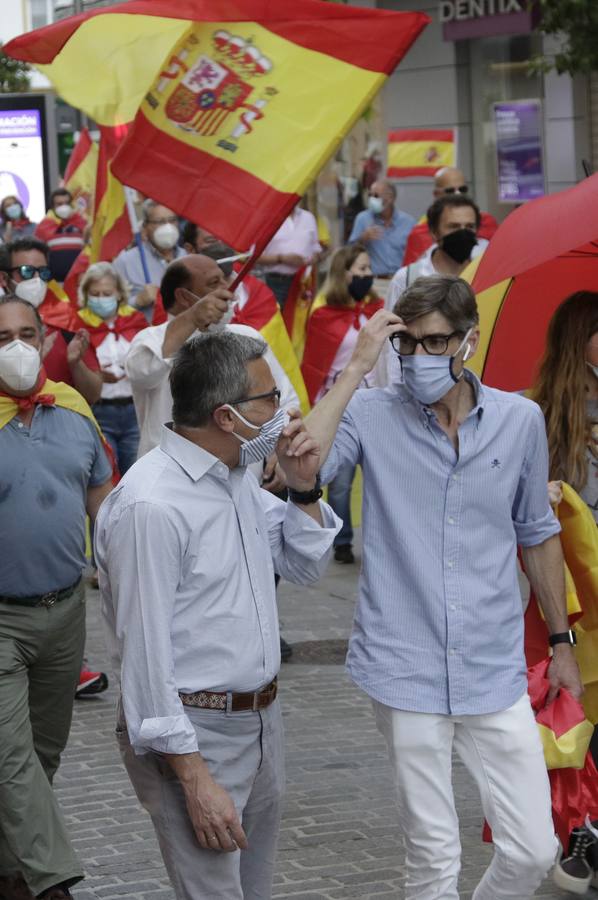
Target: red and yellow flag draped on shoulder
x=326, y=330
x=236, y=105
x=261, y=311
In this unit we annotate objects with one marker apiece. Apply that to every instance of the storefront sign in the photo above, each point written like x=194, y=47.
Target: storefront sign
x=464, y=19
x=519, y=153
x=21, y=159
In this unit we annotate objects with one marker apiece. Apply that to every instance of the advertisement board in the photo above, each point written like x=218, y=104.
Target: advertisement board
x=519, y=150
x=26, y=152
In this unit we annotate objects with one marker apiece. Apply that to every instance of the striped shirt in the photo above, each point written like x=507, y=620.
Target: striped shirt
x=439, y=625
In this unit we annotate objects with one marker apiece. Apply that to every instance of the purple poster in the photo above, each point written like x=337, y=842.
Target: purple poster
x=519, y=150
x=19, y=123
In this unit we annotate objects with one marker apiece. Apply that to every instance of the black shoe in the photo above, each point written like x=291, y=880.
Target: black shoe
x=344, y=554
x=574, y=872
x=286, y=651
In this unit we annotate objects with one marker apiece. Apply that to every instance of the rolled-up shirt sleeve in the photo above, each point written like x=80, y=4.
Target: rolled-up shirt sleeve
x=300, y=547
x=533, y=518
x=145, y=366
x=346, y=447
x=143, y=587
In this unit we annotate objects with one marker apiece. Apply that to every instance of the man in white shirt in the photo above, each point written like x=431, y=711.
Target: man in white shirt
x=195, y=296
x=294, y=246
x=187, y=546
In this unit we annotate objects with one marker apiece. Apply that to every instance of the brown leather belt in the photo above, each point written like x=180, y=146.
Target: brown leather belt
x=233, y=701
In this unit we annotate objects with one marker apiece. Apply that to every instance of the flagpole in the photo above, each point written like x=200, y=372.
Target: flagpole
x=136, y=232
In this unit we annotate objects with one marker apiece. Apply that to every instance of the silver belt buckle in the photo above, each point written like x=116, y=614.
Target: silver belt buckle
x=48, y=600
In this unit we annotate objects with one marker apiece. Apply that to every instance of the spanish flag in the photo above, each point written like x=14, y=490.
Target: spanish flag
x=420, y=151
x=80, y=173
x=56, y=309
x=236, y=105
x=260, y=311
x=111, y=229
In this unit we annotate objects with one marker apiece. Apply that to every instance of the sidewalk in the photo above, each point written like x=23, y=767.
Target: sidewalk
x=339, y=837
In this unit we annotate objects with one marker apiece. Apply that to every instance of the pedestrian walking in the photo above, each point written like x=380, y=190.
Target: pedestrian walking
x=53, y=471
x=455, y=477
x=187, y=547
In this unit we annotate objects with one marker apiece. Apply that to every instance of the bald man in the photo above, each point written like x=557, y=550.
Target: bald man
x=447, y=181
x=383, y=229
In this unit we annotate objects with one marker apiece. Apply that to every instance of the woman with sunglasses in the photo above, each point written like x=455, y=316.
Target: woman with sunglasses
x=345, y=304
x=14, y=222
x=112, y=325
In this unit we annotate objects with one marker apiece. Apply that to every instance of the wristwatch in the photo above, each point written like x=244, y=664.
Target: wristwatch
x=304, y=498
x=563, y=637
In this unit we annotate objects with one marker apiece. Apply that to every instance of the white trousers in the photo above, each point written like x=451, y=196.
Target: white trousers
x=503, y=753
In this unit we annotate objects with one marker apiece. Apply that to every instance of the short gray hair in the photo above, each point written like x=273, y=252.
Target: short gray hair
x=209, y=371
x=5, y=299
x=448, y=295
x=94, y=273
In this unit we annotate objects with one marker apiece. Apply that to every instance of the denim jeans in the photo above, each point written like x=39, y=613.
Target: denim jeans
x=119, y=424
x=339, y=498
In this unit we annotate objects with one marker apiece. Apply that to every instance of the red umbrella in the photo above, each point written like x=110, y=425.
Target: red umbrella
x=541, y=253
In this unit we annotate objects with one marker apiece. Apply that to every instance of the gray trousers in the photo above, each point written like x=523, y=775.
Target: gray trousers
x=245, y=755
x=41, y=651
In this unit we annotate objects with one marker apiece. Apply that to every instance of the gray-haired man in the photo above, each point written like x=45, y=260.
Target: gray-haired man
x=160, y=235
x=455, y=476
x=187, y=546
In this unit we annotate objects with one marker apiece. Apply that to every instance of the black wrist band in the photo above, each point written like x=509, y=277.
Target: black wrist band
x=304, y=498
x=563, y=637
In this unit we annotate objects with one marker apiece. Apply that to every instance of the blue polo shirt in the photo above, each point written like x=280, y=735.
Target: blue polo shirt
x=386, y=254
x=45, y=470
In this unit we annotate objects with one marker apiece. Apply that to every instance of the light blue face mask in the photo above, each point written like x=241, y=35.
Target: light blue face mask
x=260, y=447
x=428, y=378
x=104, y=307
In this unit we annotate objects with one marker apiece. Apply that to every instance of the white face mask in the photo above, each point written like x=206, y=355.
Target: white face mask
x=258, y=448
x=375, y=205
x=165, y=236
x=64, y=211
x=19, y=365
x=33, y=290
x=593, y=368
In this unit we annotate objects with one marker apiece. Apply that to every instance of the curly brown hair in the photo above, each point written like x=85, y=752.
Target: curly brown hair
x=560, y=389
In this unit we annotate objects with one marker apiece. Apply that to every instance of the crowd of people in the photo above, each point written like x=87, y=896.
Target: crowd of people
x=158, y=405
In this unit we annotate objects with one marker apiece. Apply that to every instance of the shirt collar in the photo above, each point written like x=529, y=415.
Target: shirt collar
x=194, y=460
x=479, y=389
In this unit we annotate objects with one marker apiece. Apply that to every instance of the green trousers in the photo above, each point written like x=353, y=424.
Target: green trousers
x=41, y=651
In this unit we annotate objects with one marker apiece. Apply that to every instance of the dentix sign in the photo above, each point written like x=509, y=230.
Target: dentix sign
x=463, y=19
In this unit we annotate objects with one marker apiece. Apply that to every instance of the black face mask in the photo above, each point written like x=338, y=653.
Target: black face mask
x=459, y=244
x=360, y=286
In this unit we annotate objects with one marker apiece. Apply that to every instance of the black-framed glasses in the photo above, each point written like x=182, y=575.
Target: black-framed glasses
x=271, y=395
x=462, y=189
x=433, y=344
x=26, y=272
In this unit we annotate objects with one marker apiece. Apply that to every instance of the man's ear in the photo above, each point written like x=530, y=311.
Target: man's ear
x=224, y=418
x=4, y=280
x=183, y=299
x=473, y=340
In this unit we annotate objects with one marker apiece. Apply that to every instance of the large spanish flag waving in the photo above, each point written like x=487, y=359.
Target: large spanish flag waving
x=80, y=173
x=420, y=151
x=236, y=104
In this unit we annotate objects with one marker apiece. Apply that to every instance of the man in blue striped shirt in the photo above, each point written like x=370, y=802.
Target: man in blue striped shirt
x=455, y=477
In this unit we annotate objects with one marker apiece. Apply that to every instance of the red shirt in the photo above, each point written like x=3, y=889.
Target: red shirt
x=56, y=364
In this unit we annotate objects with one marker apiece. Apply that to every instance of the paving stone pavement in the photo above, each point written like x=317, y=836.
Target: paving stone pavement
x=339, y=834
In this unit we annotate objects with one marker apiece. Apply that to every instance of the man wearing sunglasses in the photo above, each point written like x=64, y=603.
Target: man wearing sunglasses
x=67, y=355
x=455, y=477
x=448, y=182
